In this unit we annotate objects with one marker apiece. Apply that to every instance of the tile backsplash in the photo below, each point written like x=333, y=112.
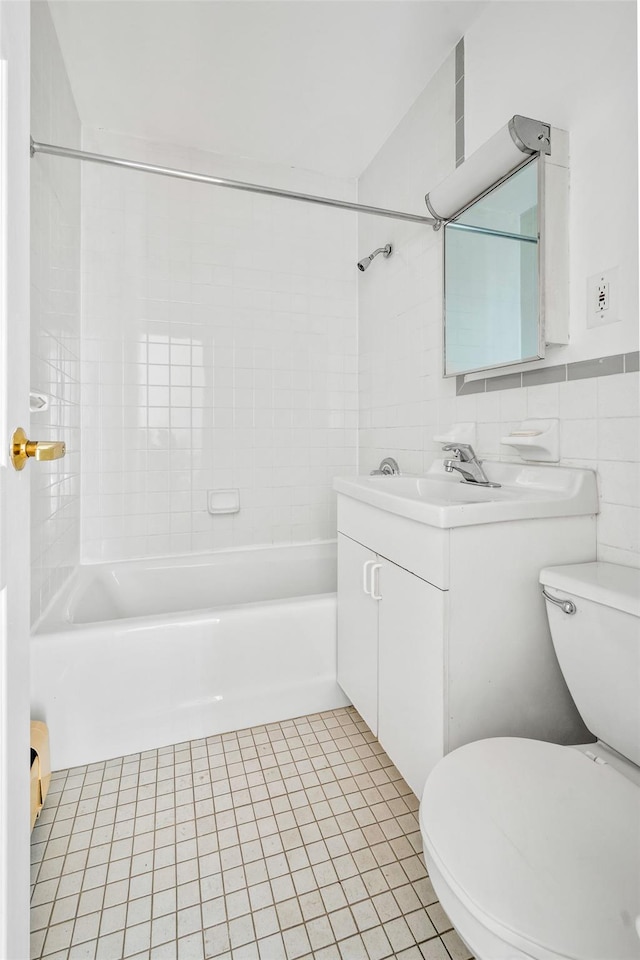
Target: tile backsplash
x=599, y=430
x=55, y=318
x=219, y=350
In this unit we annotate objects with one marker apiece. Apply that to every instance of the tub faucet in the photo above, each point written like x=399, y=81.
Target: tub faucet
x=388, y=468
x=467, y=464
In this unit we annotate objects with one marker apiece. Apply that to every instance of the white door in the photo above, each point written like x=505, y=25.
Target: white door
x=358, y=628
x=14, y=486
x=411, y=662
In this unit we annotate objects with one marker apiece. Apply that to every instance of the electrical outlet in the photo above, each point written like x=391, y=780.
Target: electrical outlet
x=602, y=298
x=602, y=295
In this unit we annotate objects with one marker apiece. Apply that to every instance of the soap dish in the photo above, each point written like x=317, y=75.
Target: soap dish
x=223, y=501
x=537, y=440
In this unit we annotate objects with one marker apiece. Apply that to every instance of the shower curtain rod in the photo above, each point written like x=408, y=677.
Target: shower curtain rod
x=57, y=151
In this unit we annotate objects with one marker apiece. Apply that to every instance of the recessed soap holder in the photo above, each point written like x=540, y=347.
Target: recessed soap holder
x=223, y=501
x=537, y=440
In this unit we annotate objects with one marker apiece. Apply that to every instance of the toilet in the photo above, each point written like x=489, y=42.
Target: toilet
x=533, y=848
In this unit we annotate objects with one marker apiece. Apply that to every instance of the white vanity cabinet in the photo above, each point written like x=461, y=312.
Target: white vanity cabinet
x=442, y=631
x=390, y=655
x=411, y=616
x=358, y=627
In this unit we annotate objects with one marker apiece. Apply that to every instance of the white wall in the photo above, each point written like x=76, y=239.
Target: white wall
x=531, y=59
x=55, y=316
x=219, y=350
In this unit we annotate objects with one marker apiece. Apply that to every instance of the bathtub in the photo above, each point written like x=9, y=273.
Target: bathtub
x=141, y=654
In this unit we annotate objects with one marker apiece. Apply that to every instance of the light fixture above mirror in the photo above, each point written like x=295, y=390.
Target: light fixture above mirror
x=515, y=143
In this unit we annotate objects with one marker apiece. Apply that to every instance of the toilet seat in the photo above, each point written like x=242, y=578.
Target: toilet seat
x=541, y=846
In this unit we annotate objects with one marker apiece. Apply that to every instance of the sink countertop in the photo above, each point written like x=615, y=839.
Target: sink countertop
x=441, y=500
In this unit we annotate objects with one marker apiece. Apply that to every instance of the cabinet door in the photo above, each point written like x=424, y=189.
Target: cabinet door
x=357, y=630
x=411, y=672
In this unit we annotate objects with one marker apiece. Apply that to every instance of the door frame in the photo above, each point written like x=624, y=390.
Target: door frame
x=14, y=487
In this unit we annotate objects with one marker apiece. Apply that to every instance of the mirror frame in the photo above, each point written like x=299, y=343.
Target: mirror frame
x=541, y=261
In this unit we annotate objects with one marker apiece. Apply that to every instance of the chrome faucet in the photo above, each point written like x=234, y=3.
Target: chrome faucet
x=467, y=464
x=388, y=468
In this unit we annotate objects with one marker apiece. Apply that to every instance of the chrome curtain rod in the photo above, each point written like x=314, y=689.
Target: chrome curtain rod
x=490, y=232
x=56, y=151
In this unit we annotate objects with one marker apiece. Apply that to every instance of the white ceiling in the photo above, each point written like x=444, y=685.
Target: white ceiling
x=317, y=84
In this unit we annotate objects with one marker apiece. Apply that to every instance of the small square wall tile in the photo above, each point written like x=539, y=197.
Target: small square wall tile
x=619, y=395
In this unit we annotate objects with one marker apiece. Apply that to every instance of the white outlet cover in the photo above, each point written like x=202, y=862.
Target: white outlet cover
x=595, y=316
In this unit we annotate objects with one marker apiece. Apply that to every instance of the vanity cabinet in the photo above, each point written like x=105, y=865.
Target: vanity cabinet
x=442, y=632
x=411, y=616
x=358, y=628
x=390, y=628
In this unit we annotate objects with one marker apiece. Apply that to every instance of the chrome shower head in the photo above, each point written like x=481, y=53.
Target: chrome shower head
x=366, y=262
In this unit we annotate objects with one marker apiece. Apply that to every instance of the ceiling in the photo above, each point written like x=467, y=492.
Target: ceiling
x=318, y=84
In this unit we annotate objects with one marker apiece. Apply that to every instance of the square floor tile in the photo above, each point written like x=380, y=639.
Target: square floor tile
x=280, y=842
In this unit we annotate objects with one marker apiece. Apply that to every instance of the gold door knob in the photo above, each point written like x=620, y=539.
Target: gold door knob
x=22, y=449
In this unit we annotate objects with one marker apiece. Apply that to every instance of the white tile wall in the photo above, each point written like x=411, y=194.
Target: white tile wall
x=55, y=317
x=403, y=399
x=400, y=300
x=219, y=350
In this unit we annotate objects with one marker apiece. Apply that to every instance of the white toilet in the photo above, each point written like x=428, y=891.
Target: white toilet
x=534, y=848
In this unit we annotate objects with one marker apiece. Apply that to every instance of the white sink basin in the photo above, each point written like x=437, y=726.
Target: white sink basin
x=443, y=500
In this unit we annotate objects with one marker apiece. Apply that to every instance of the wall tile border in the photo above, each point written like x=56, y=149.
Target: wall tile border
x=579, y=370
x=632, y=362
x=459, y=102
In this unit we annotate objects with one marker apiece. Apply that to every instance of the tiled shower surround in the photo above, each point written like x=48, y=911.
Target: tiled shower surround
x=285, y=842
x=219, y=351
x=55, y=319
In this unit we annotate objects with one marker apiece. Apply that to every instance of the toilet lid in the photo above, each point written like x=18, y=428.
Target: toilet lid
x=541, y=844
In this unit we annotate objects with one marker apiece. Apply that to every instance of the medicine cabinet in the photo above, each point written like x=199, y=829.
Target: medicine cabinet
x=506, y=268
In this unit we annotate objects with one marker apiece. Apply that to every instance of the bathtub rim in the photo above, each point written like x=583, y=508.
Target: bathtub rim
x=54, y=619
x=175, y=618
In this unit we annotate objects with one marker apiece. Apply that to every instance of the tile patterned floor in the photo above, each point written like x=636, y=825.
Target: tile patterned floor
x=294, y=840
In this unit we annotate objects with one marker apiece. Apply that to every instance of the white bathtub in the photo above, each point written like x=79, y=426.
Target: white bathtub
x=141, y=654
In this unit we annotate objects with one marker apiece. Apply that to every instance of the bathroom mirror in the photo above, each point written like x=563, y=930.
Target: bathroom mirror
x=492, y=277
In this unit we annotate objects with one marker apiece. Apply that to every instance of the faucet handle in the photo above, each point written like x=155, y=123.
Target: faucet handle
x=388, y=468
x=464, y=451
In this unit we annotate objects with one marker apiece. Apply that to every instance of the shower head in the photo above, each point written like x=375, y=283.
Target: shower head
x=364, y=263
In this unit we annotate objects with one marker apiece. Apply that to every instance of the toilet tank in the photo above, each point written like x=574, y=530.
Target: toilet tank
x=598, y=647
